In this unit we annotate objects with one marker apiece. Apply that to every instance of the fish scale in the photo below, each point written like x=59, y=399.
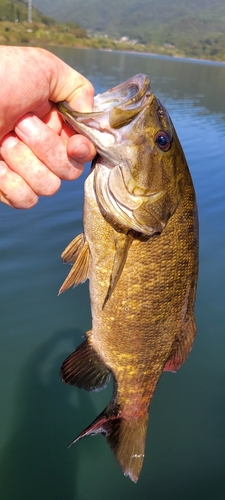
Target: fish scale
x=139, y=251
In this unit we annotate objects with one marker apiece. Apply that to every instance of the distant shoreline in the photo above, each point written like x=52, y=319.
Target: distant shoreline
x=165, y=56
x=145, y=54
x=71, y=36
x=173, y=57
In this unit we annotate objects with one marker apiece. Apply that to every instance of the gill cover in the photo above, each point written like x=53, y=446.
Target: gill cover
x=135, y=179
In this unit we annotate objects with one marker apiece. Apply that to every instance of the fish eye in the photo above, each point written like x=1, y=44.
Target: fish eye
x=163, y=140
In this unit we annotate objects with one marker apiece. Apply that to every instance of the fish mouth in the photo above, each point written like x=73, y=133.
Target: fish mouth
x=113, y=112
x=128, y=94
x=109, y=127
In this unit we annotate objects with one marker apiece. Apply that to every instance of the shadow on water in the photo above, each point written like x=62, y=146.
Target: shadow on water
x=36, y=463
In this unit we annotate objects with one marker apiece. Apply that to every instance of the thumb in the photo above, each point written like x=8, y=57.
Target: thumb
x=69, y=85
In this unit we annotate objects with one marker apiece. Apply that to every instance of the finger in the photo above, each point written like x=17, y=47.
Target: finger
x=67, y=84
x=23, y=69
x=23, y=162
x=15, y=192
x=80, y=147
x=48, y=147
x=53, y=120
x=5, y=201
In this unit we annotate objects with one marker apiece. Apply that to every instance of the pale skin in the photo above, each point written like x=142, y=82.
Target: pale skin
x=37, y=149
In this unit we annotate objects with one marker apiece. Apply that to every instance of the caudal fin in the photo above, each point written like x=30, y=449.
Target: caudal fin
x=85, y=369
x=125, y=437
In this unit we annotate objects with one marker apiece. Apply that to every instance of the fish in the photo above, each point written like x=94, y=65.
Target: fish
x=139, y=250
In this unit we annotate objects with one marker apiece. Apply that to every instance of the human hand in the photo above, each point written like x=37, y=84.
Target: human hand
x=37, y=149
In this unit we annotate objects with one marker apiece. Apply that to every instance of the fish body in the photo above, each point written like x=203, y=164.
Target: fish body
x=139, y=250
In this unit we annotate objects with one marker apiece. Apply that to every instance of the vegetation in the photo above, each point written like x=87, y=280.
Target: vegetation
x=181, y=28
x=194, y=28
x=16, y=30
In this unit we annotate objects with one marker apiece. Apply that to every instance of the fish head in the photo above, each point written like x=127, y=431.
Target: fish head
x=140, y=160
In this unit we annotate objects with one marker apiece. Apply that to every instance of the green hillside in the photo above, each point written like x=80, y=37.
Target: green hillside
x=16, y=30
x=140, y=17
x=191, y=28
x=194, y=27
x=16, y=11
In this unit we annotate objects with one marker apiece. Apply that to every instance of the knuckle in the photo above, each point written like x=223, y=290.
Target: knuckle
x=51, y=187
x=28, y=203
x=90, y=88
x=23, y=199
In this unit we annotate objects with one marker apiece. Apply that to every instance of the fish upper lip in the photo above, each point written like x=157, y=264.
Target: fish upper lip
x=125, y=96
x=120, y=93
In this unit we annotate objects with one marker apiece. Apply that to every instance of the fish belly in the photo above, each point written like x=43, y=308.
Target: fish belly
x=149, y=309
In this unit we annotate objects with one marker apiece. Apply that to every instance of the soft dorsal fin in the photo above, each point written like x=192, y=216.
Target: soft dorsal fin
x=181, y=347
x=122, y=247
x=80, y=269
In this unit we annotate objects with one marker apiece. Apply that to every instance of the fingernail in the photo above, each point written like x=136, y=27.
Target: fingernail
x=81, y=151
x=9, y=141
x=28, y=125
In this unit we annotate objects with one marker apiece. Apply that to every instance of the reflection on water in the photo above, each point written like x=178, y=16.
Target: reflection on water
x=28, y=469
x=39, y=416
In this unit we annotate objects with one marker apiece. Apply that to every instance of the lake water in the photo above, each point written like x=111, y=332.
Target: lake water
x=39, y=416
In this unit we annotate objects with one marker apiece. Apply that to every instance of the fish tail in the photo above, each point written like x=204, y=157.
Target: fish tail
x=125, y=437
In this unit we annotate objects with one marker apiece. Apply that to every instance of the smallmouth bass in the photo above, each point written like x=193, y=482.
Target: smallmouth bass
x=139, y=249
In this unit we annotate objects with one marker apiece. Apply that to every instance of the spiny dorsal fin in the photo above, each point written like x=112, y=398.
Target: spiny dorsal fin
x=122, y=247
x=85, y=369
x=79, y=271
x=73, y=249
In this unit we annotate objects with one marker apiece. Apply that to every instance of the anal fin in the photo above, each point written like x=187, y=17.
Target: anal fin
x=85, y=369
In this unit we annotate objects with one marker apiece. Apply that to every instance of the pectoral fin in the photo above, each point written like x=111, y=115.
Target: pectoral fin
x=122, y=247
x=77, y=252
x=72, y=251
